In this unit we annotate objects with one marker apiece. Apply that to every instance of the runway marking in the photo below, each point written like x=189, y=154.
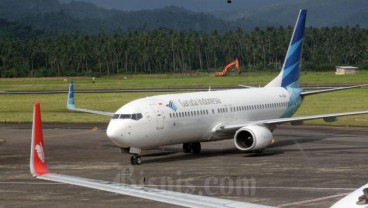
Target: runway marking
x=2, y=140
x=77, y=133
x=312, y=200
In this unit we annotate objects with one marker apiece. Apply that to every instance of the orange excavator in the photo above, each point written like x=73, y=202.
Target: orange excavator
x=227, y=68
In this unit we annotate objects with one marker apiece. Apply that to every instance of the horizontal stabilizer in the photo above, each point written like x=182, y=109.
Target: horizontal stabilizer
x=331, y=90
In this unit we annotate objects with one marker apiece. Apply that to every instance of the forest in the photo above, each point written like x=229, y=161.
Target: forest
x=170, y=51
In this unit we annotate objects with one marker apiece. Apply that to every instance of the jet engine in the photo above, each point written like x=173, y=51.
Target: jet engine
x=252, y=138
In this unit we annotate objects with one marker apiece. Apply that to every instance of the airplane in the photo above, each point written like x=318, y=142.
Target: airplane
x=248, y=115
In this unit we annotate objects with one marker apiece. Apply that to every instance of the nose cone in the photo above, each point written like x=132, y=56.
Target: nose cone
x=114, y=133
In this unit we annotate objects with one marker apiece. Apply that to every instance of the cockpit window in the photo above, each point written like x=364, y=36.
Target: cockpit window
x=125, y=116
x=135, y=116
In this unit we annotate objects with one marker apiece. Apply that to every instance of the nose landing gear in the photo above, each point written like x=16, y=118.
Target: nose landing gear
x=135, y=159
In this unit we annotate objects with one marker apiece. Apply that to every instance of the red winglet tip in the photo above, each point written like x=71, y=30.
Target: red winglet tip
x=38, y=157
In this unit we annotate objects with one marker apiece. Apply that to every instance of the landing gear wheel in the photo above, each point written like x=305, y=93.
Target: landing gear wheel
x=259, y=151
x=139, y=160
x=196, y=147
x=186, y=148
x=136, y=160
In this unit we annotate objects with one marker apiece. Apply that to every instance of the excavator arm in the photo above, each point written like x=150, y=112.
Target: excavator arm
x=227, y=68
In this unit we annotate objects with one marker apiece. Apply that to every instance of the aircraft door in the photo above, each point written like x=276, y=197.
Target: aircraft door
x=230, y=111
x=227, y=112
x=159, y=117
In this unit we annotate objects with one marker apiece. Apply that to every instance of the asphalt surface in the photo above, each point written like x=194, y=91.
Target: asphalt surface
x=307, y=167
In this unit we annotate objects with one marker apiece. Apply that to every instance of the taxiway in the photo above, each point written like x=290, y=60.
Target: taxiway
x=306, y=167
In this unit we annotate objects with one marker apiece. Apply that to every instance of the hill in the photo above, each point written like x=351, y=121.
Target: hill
x=64, y=16
x=325, y=13
x=55, y=17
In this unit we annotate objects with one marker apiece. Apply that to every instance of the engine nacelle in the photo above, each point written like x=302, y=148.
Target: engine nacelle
x=252, y=138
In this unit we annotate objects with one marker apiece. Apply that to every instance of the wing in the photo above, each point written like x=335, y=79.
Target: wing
x=293, y=120
x=330, y=90
x=356, y=199
x=39, y=170
x=71, y=104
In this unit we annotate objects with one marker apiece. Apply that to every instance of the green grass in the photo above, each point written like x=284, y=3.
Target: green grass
x=335, y=102
x=179, y=80
x=18, y=108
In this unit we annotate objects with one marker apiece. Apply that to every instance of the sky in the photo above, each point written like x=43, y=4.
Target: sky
x=194, y=5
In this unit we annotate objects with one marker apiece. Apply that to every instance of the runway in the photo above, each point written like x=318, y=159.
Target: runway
x=307, y=167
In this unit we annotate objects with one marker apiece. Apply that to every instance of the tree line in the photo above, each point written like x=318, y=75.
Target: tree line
x=169, y=51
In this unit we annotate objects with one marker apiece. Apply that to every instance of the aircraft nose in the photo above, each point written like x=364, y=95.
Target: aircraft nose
x=114, y=132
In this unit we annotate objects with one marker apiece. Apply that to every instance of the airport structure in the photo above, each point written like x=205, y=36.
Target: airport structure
x=343, y=70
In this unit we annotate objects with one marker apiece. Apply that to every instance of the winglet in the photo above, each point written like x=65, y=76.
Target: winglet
x=37, y=161
x=71, y=102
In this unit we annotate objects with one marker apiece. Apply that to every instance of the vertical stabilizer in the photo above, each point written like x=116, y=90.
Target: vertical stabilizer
x=38, y=158
x=289, y=75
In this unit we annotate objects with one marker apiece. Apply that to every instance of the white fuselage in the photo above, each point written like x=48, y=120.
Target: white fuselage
x=191, y=117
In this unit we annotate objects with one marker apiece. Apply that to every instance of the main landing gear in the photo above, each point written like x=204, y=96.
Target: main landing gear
x=135, y=159
x=193, y=147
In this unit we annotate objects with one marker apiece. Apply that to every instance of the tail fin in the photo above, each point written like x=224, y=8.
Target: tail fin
x=71, y=102
x=37, y=162
x=289, y=75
